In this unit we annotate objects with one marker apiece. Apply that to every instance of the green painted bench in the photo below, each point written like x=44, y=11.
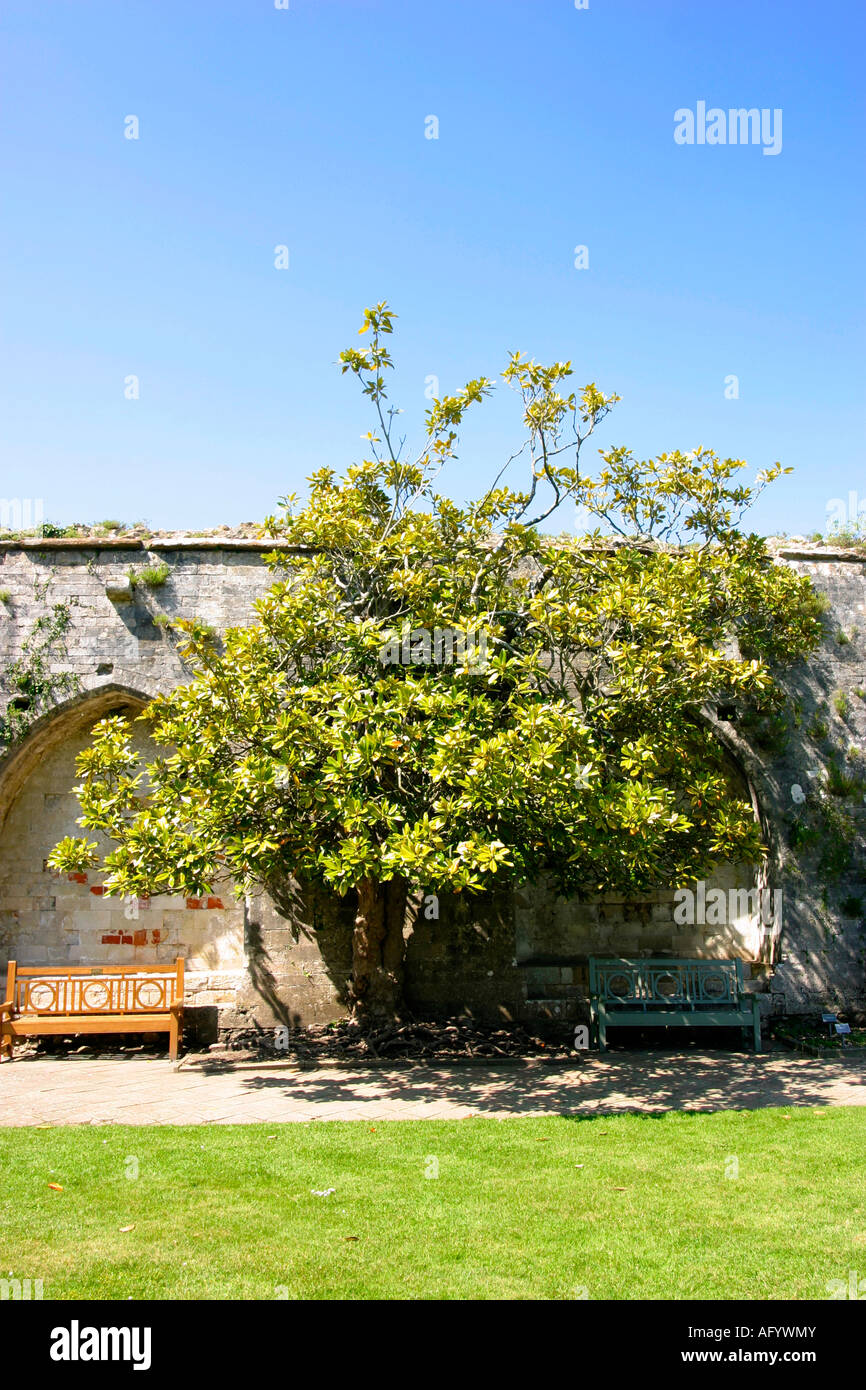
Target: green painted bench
x=657, y=993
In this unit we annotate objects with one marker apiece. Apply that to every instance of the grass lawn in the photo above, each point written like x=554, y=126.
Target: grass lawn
x=625, y=1207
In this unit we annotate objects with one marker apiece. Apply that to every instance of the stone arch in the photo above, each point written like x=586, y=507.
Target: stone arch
x=760, y=792
x=48, y=918
x=80, y=711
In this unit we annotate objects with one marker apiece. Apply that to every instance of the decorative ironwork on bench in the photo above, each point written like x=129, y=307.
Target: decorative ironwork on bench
x=686, y=984
x=666, y=993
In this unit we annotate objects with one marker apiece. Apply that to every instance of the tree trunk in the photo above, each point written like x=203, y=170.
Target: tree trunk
x=378, y=948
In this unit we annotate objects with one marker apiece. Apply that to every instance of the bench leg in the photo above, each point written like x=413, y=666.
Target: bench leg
x=7, y=1045
x=756, y=1022
x=173, y=1037
x=602, y=1030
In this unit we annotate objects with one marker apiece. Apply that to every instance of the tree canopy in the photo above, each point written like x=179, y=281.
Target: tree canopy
x=440, y=696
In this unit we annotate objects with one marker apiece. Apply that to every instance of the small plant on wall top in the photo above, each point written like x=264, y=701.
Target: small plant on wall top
x=154, y=576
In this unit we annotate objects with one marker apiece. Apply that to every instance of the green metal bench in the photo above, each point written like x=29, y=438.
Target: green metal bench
x=670, y=993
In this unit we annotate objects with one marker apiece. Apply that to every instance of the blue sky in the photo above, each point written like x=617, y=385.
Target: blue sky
x=305, y=127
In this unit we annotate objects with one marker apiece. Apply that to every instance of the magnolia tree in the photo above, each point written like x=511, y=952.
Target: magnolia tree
x=442, y=697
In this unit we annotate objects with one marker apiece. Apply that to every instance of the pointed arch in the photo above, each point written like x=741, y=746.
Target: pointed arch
x=753, y=776
x=56, y=725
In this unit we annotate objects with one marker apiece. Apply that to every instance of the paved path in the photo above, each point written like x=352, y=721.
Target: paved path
x=151, y=1090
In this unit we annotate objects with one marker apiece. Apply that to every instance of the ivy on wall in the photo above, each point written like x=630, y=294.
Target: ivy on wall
x=31, y=683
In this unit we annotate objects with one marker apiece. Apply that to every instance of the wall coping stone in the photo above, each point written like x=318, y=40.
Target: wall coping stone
x=181, y=541
x=818, y=554
x=162, y=543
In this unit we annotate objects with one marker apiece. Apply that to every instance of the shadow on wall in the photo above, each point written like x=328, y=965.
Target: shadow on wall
x=495, y=958
x=262, y=977
x=809, y=769
x=298, y=942
x=459, y=961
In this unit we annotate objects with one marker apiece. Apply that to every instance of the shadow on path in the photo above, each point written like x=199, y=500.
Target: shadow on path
x=634, y=1082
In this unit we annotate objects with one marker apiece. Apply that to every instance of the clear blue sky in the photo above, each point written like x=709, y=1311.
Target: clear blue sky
x=260, y=127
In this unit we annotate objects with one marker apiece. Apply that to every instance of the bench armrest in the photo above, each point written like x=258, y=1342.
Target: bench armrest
x=7, y=1006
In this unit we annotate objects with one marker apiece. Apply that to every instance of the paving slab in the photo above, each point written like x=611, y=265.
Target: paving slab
x=153, y=1090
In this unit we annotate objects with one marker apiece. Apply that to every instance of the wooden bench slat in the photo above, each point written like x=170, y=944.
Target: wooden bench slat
x=109, y=1023
x=94, y=970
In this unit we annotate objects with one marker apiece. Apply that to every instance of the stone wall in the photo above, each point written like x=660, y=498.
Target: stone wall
x=251, y=966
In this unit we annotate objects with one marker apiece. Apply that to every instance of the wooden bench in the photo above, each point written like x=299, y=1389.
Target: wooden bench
x=50, y=999
x=670, y=993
